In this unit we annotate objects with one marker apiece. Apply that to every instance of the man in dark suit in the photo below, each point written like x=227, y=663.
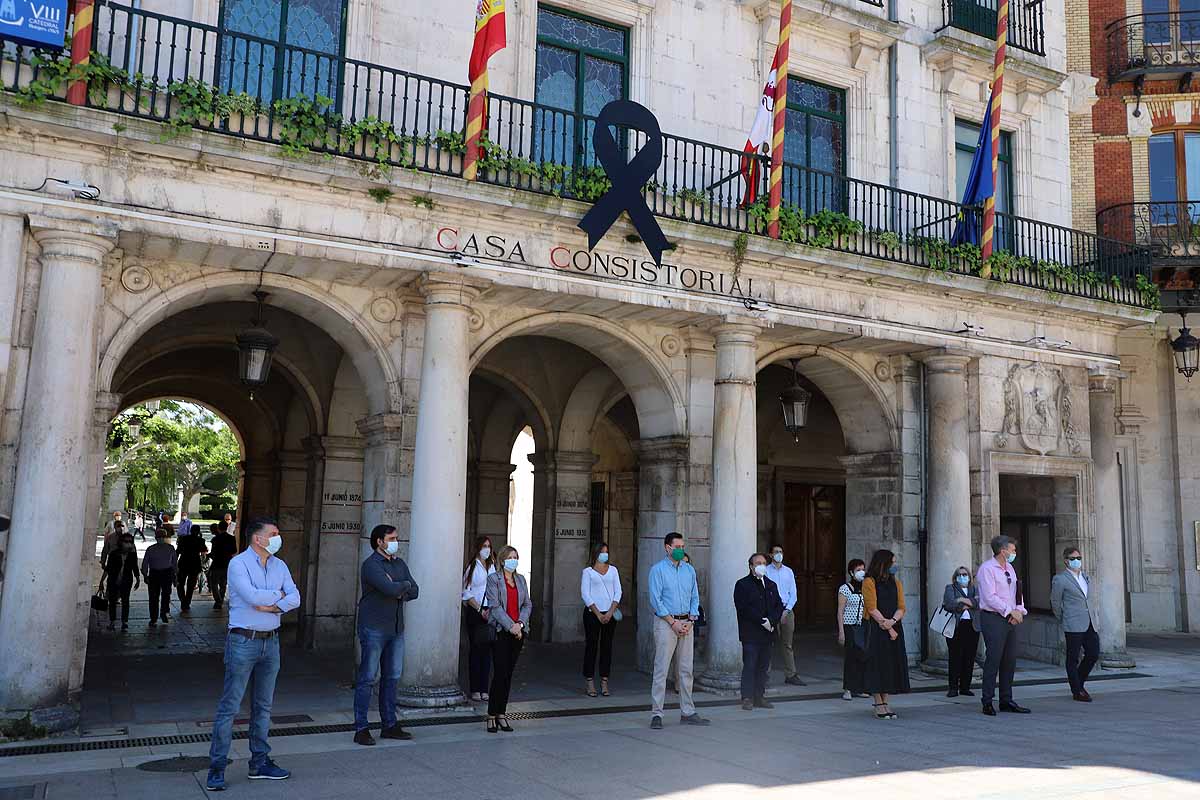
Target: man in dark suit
x=1071, y=599
x=759, y=609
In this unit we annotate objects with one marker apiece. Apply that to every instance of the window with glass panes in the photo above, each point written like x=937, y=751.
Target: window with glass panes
x=816, y=139
x=282, y=48
x=582, y=65
x=1174, y=175
x=1171, y=23
x=966, y=136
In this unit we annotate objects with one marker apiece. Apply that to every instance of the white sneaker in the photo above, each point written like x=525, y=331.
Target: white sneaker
x=846, y=695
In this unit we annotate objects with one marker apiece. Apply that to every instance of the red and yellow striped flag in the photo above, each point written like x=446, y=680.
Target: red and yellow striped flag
x=987, y=239
x=490, y=37
x=775, y=197
x=81, y=48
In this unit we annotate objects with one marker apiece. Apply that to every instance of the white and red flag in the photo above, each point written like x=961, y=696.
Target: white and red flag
x=760, y=135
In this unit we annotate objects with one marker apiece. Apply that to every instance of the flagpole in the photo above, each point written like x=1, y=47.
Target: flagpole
x=476, y=119
x=775, y=199
x=81, y=49
x=989, y=205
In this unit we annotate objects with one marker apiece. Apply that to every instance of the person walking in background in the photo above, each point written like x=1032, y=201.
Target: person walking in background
x=961, y=598
x=1071, y=600
x=600, y=588
x=158, y=567
x=110, y=526
x=675, y=600
x=785, y=580
x=261, y=590
x=112, y=542
x=475, y=617
x=850, y=632
x=886, y=669
x=192, y=550
x=123, y=576
x=759, y=610
x=509, y=612
x=386, y=586
x=230, y=525
x=185, y=526
x=1003, y=609
x=222, y=549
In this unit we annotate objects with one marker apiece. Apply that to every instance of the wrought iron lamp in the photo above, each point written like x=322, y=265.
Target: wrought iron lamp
x=256, y=348
x=795, y=400
x=1186, y=349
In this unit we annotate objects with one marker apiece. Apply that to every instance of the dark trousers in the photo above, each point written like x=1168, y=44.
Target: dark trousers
x=853, y=663
x=1001, y=640
x=217, y=580
x=963, y=647
x=599, y=642
x=120, y=593
x=479, y=651
x=187, y=585
x=756, y=660
x=505, y=652
x=1078, y=671
x=159, y=585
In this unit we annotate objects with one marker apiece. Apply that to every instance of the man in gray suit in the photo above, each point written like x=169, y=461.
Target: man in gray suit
x=1070, y=597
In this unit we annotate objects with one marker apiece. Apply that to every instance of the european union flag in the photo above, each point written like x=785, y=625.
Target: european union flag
x=979, y=185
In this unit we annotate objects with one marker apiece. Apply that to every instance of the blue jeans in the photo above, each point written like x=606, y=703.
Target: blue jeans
x=381, y=652
x=253, y=663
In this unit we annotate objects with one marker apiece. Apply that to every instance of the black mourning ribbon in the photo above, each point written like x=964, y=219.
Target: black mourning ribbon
x=627, y=178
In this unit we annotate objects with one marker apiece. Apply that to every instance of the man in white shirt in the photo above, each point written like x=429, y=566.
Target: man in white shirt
x=1071, y=599
x=785, y=579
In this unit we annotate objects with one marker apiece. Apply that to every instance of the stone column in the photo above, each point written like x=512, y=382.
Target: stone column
x=492, y=514
x=948, y=513
x=435, y=551
x=572, y=535
x=734, y=497
x=661, y=497
x=541, y=545
x=1108, y=569
x=38, y=620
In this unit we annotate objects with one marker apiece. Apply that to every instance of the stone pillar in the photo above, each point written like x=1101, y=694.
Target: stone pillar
x=948, y=513
x=38, y=620
x=1108, y=569
x=492, y=515
x=541, y=545
x=661, y=497
x=435, y=551
x=572, y=535
x=734, y=527
x=346, y=505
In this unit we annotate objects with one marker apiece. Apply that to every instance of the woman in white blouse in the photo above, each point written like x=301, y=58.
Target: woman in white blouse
x=849, y=628
x=601, y=591
x=475, y=616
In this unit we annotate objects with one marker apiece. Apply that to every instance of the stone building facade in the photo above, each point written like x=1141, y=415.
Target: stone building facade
x=425, y=321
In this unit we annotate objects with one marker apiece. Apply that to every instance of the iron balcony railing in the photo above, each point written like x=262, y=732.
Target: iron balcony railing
x=187, y=75
x=1025, y=31
x=1171, y=230
x=1148, y=44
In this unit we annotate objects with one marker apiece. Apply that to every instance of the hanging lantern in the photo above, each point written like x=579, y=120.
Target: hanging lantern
x=1186, y=349
x=256, y=348
x=794, y=400
x=134, y=426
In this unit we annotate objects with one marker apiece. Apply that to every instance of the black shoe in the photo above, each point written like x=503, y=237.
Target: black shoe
x=491, y=725
x=364, y=737
x=1013, y=708
x=952, y=693
x=764, y=703
x=989, y=710
x=112, y=626
x=395, y=732
x=656, y=724
x=966, y=692
x=1081, y=697
x=153, y=623
x=124, y=626
x=747, y=705
x=795, y=681
x=693, y=719
x=216, y=606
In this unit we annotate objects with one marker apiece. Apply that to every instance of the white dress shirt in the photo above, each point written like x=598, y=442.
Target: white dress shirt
x=474, y=588
x=1080, y=580
x=785, y=579
x=965, y=592
x=601, y=591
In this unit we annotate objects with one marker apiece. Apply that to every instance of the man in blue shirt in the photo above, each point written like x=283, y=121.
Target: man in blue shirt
x=260, y=591
x=675, y=599
x=386, y=586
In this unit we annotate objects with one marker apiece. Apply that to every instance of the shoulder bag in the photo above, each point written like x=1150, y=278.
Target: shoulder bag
x=943, y=622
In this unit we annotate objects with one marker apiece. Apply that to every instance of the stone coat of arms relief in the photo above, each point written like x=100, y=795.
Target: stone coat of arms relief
x=1037, y=409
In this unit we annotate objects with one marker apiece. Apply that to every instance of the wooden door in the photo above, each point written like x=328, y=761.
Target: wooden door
x=814, y=544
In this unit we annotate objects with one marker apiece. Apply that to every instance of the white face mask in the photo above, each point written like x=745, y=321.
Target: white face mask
x=859, y=574
x=602, y=558
x=485, y=553
x=760, y=569
x=274, y=543
x=392, y=548
x=778, y=557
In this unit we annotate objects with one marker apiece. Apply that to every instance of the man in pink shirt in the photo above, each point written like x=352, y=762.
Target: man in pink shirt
x=1000, y=600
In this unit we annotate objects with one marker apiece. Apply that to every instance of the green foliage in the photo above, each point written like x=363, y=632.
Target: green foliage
x=380, y=194
x=56, y=72
x=21, y=728
x=1150, y=292
x=452, y=142
x=196, y=104
x=888, y=240
x=421, y=201
x=306, y=124
x=741, y=243
x=382, y=136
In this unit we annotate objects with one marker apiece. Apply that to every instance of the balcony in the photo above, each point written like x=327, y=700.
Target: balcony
x=187, y=76
x=1025, y=31
x=1163, y=43
x=1172, y=233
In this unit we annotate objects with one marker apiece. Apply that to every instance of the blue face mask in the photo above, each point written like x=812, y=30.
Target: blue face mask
x=1075, y=563
x=510, y=564
x=602, y=558
x=964, y=580
x=893, y=569
x=1012, y=557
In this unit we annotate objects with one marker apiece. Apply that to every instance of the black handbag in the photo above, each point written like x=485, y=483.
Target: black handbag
x=99, y=600
x=859, y=640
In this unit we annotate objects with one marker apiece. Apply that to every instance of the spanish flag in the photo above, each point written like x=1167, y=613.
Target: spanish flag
x=489, y=38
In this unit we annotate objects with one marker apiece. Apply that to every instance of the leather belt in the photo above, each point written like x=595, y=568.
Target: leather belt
x=680, y=616
x=249, y=634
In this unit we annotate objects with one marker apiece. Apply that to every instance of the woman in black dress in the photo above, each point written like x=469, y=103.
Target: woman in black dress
x=886, y=671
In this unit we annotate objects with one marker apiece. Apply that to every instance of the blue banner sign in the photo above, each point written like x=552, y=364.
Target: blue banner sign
x=39, y=23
